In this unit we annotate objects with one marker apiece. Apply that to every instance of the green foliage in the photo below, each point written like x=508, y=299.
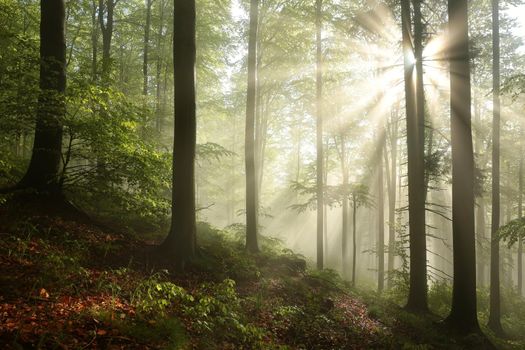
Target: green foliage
x=400, y=276
x=214, y=310
x=440, y=298
x=224, y=254
x=333, y=195
x=154, y=296
x=110, y=167
x=513, y=231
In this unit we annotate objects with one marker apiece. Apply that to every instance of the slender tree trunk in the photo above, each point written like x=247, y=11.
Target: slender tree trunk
x=344, y=233
x=147, y=29
x=252, y=204
x=495, y=298
x=319, y=130
x=480, y=212
x=261, y=137
x=520, y=215
x=380, y=225
x=44, y=167
x=325, y=204
x=417, y=296
x=392, y=198
x=481, y=237
x=182, y=237
x=105, y=16
x=463, y=314
x=159, y=103
x=94, y=40
x=354, y=239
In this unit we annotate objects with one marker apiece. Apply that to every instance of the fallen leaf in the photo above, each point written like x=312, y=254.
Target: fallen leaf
x=43, y=293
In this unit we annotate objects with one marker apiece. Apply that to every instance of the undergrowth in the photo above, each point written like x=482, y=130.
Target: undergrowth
x=77, y=286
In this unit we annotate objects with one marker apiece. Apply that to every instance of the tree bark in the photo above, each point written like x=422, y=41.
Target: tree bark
x=495, y=299
x=520, y=215
x=463, y=314
x=380, y=225
x=182, y=237
x=417, y=295
x=106, y=7
x=354, y=239
x=159, y=110
x=252, y=202
x=43, y=171
x=319, y=132
x=392, y=198
x=147, y=28
x=480, y=212
x=94, y=40
x=344, y=232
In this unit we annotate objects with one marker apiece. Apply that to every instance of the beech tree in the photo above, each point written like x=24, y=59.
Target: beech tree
x=181, y=240
x=252, y=202
x=44, y=167
x=319, y=131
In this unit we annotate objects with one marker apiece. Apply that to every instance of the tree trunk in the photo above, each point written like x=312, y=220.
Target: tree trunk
x=94, y=40
x=480, y=212
x=481, y=237
x=354, y=239
x=147, y=28
x=495, y=299
x=463, y=314
x=182, y=237
x=344, y=232
x=319, y=132
x=392, y=191
x=325, y=204
x=520, y=215
x=106, y=7
x=417, y=295
x=381, y=231
x=43, y=171
x=252, y=204
x=380, y=224
x=159, y=112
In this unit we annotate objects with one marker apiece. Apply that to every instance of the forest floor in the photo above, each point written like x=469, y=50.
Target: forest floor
x=71, y=285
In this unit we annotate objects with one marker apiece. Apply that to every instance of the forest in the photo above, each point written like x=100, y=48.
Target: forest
x=262, y=174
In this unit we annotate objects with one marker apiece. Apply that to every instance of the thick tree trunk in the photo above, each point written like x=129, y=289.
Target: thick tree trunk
x=417, y=295
x=252, y=202
x=319, y=132
x=495, y=298
x=44, y=167
x=181, y=240
x=463, y=315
